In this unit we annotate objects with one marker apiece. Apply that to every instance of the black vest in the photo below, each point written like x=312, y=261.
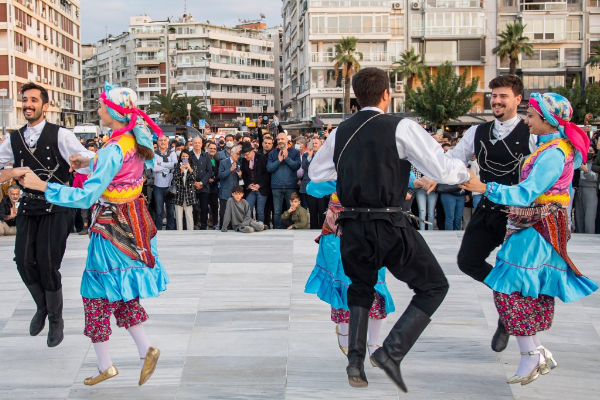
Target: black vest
x=496, y=163
x=44, y=159
x=370, y=171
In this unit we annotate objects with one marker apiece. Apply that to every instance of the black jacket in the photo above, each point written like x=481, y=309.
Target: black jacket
x=262, y=176
x=203, y=168
x=184, y=191
x=5, y=206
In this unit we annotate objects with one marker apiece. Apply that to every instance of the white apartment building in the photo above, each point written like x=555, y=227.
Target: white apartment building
x=233, y=69
x=461, y=31
x=40, y=41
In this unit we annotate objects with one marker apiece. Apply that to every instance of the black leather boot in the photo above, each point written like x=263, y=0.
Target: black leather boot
x=401, y=339
x=54, y=301
x=39, y=318
x=500, y=338
x=357, y=347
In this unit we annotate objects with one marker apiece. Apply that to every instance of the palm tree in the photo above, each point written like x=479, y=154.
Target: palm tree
x=511, y=44
x=409, y=66
x=165, y=105
x=594, y=60
x=346, y=58
x=198, y=110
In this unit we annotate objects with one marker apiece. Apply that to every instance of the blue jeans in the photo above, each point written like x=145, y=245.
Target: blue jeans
x=426, y=203
x=453, y=208
x=476, y=199
x=280, y=196
x=159, y=194
x=255, y=198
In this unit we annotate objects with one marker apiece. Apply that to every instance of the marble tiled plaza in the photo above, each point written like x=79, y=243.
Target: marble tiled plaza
x=236, y=324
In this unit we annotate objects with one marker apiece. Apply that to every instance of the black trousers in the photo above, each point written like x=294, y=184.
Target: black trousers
x=222, y=208
x=317, y=207
x=201, y=209
x=367, y=246
x=40, y=246
x=485, y=232
x=213, y=203
x=269, y=209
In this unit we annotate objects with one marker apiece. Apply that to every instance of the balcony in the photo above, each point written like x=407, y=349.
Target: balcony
x=151, y=86
x=150, y=72
x=440, y=57
x=544, y=6
x=543, y=64
x=327, y=57
x=449, y=31
x=348, y=3
x=453, y=3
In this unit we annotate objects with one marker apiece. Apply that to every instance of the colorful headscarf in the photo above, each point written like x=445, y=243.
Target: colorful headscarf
x=122, y=105
x=557, y=110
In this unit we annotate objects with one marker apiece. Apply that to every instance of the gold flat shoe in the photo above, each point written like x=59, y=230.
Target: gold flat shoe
x=337, y=332
x=550, y=361
x=376, y=347
x=533, y=375
x=110, y=372
x=149, y=364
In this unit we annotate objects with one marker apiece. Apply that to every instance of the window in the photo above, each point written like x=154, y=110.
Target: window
x=440, y=51
x=545, y=29
x=573, y=29
x=542, y=58
x=396, y=24
x=543, y=82
x=350, y=23
x=573, y=57
x=455, y=23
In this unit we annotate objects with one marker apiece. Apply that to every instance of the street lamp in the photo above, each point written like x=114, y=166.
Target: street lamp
x=205, y=59
x=3, y=94
x=189, y=108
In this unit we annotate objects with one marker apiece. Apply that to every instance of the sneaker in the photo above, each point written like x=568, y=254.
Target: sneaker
x=217, y=228
x=84, y=231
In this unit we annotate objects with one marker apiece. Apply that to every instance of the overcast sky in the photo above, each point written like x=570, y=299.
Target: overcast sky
x=99, y=15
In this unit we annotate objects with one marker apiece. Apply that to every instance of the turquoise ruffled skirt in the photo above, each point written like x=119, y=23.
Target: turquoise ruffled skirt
x=527, y=263
x=112, y=275
x=329, y=282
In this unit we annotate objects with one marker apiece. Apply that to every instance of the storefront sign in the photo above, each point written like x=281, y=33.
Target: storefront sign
x=225, y=110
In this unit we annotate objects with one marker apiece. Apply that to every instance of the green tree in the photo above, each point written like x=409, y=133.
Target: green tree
x=582, y=101
x=198, y=111
x=409, y=66
x=165, y=105
x=346, y=59
x=445, y=96
x=511, y=44
x=594, y=60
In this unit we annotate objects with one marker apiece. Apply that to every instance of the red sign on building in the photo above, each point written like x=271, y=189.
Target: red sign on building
x=225, y=110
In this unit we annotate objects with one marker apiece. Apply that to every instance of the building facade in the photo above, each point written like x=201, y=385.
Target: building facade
x=461, y=31
x=40, y=41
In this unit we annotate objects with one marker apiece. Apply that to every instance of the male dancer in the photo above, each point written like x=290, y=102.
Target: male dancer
x=499, y=145
x=370, y=155
x=42, y=229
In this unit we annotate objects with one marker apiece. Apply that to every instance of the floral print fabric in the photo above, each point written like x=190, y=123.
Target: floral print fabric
x=98, y=312
x=524, y=315
x=377, y=311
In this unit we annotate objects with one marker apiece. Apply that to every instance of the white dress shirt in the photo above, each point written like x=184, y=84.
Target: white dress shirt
x=68, y=144
x=413, y=144
x=465, y=149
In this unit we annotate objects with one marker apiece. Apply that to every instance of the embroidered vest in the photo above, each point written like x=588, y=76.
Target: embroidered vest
x=127, y=184
x=559, y=191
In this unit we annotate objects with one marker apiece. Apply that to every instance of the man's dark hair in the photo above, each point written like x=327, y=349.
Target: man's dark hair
x=237, y=189
x=43, y=91
x=510, y=81
x=446, y=145
x=92, y=145
x=294, y=196
x=369, y=85
x=448, y=135
x=229, y=135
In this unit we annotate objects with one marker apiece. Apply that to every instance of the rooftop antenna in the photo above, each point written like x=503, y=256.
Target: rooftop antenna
x=262, y=16
x=185, y=6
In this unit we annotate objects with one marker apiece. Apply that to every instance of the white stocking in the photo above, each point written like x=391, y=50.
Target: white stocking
x=141, y=340
x=528, y=363
x=374, y=329
x=103, y=354
x=538, y=344
x=343, y=329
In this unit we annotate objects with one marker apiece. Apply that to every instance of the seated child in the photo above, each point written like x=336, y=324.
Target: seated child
x=296, y=217
x=238, y=212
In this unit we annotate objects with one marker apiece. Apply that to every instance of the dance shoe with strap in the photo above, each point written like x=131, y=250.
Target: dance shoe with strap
x=337, y=332
x=110, y=372
x=149, y=364
x=375, y=347
x=533, y=375
x=550, y=361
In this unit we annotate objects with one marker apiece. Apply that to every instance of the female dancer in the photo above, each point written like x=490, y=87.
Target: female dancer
x=122, y=264
x=329, y=282
x=532, y=267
